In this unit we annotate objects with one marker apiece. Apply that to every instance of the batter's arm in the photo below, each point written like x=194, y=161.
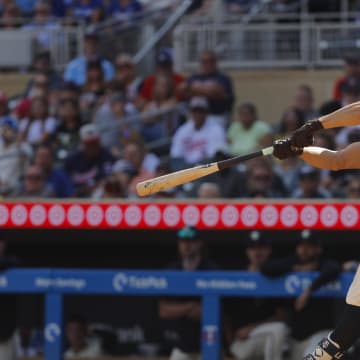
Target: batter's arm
x=347, y=158
x=349, y=115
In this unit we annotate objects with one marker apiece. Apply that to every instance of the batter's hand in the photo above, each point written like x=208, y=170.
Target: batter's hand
x=283, y=149
x=304, y=135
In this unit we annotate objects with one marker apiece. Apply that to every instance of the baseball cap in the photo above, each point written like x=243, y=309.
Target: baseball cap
x=10, y=122
x=256, y=238
x=188, y=233
x=199, y=102
x=89, y=132
x=164, y=57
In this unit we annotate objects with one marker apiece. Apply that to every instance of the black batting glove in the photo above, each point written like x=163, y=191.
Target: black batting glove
x=283, y=149
x=304, y=135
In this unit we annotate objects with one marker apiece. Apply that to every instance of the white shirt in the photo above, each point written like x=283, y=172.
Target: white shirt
x=92, y=350
x=195, y=145
x=37, y=128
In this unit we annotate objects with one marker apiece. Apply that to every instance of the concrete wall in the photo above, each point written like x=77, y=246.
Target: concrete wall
x=272, y=90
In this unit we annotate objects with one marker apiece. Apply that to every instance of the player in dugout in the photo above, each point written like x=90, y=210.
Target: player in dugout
x=300, y=144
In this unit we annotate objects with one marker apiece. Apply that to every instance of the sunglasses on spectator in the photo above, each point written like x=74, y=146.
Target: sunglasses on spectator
x=124, y=66
x=34, y=177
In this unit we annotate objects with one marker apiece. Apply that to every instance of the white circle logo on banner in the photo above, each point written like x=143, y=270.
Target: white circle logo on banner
x=37, y=215
x=4, y=214
x=349, y=216
x=191, y=215
x=210, y=215
x=113, y=215
x=94, y=215
x=309, y=216
x=249, y=215
x=269, y=215
x=19, y=214
x=132, y=215
x=289, y=215
x=152, y=215
x=329, y=215
x=171, y=215
x=56, y=215
x=75, y=215
x=230, y=215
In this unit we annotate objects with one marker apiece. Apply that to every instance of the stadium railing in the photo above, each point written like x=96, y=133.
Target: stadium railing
x=209, y=285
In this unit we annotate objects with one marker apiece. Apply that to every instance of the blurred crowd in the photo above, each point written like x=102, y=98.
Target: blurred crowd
x=100, y=127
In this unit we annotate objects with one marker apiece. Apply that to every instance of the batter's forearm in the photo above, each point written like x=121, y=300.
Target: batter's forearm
x=349, y=115
x=347, y=158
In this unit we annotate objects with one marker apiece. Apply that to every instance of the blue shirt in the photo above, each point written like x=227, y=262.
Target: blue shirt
x=26, y=6
x=60, y=183
x=75, y=71
x=84, y=11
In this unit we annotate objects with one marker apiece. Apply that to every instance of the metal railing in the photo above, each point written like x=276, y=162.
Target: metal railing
x=269, y=44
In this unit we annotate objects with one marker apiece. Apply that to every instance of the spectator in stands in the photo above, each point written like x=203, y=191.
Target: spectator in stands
x=66, y=137
x=42, y=65
x=351, y=76
x=143, y=162
x=126, y=76
x=39, y=85
x=309, y=184
x=213, y=84
x=83, y=9
x=69, y=91
x=42, y=23
x=208, y=190
x=247, y=133
x=39, y=126
x=304, y=102
x=257, y=323
x=160, y=126
x=291, y=120
x=116, y=121
x=124, y=10
x=8, y=308
x=352, y=188
x=181, y=316
x=230, y=180
x=164, y=66
x=110, y=188
x=198, y=139
x=311, y=320
x=14, y=157
x=11, y=16
x=93, y=90
x=80, y=344
x=261, y=181
x=29, y=342
x=4, y=108
x=89, y=165
x=76, y=72
x=57, y=178
x=35, y=184
x=27, y=6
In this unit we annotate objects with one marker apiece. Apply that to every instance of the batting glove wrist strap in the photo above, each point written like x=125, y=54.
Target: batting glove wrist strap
x=304, y=135
x=326, y=350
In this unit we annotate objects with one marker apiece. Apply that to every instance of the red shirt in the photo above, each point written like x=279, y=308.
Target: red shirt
x=146, y=91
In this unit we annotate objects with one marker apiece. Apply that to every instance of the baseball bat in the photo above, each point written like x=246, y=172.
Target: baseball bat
x=180, y=177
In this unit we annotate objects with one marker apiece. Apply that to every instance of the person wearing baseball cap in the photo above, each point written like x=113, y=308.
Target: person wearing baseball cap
x=90, y=164
x=164, y=67
x=76, y=70
x=197, y=140
x=183, y=315
x=310, y=316
x=14, y=156
x=257, y=322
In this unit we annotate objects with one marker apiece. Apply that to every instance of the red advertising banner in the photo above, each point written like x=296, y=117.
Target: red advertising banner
x=141, y=215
